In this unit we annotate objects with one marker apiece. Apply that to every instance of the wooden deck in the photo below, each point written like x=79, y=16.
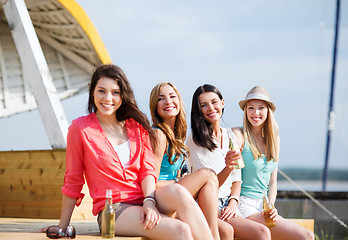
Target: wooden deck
x=28, y=228
x=30, y=183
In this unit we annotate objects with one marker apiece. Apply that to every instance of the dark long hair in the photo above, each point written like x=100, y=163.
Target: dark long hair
x=202, y=131
x=129, y=107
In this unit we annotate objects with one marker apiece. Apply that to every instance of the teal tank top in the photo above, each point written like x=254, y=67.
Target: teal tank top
x=256, y=173
x=169, y=171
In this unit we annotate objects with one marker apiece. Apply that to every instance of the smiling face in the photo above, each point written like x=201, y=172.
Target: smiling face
x=168, y=103
x=107, y=97
x=211, y=106
x=257, y=111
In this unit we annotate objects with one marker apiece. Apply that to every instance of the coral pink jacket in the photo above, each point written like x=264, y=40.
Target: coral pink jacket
x=90, y=155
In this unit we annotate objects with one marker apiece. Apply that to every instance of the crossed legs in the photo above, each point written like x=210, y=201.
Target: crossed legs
x=203, y=186
x=175, y=197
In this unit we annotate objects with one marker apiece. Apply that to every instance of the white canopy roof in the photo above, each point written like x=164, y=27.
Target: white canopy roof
x=71, y=45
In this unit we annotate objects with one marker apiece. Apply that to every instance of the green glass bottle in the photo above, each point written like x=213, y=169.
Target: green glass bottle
x=108, y=217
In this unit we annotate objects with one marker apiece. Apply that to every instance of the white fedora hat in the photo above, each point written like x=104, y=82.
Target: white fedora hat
x=259, y=93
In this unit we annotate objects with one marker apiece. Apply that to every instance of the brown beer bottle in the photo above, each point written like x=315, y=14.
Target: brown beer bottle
x=267, y=207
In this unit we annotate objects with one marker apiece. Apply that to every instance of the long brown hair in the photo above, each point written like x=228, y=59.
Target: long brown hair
x=129, y=107
x=176, y=138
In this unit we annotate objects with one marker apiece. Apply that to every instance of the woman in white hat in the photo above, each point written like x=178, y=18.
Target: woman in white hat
x=260, y=142
x=208, y=144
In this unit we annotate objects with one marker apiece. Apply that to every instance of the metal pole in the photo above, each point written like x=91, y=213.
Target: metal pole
x=330, y=125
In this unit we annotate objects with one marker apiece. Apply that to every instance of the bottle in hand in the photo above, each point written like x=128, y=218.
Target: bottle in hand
x=267, y=207
x=108, y=217
x=233, y=147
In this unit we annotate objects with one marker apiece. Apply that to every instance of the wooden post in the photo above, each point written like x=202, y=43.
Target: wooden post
x=36, y=70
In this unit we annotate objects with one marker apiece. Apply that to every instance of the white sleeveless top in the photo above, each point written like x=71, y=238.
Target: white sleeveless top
x=123, y=152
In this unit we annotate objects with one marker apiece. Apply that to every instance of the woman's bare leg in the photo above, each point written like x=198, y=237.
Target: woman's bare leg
x=203, y=186
x=175, y=197
x=128, y=224
x=285, y=229
x=225, y=230
x=248, y=229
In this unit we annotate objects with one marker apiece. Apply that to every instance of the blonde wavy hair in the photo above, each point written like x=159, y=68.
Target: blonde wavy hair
x=270, y=131
x=176, y=138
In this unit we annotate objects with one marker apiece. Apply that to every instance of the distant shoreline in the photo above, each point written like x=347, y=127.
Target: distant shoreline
x=314, y=174
x=313, y=185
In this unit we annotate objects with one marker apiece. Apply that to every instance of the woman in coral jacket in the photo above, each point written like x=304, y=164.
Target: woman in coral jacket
x=111, y=149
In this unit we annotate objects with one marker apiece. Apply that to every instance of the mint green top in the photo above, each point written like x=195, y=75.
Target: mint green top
x=256, y=173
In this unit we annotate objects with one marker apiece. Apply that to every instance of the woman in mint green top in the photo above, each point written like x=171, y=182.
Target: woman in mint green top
x=256, y=175
x=169, y=119
x=260, y=142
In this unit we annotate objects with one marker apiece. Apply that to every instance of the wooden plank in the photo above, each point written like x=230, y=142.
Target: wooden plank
x=32, y=159
x=306, y=223
x=30, y=192
x=30, y=184
x=4, y=76
x=46, y=213
x=71, y=55
x=35, y=209
x=32, y=204
x=65, y=72
x=55, y=27
x=32, y=176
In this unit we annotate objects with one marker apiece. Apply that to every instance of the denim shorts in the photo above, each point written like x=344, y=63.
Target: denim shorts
x=223, y=202
x=249, y=206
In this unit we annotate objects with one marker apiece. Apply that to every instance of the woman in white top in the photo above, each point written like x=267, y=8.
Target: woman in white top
x=208, y=146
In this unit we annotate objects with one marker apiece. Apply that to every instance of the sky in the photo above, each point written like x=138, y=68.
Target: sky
x=285, y=46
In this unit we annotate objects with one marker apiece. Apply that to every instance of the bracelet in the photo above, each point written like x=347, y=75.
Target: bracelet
x=151, y=198
x=233, y=197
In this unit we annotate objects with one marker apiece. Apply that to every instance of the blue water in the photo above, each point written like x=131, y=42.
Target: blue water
x=331, y=186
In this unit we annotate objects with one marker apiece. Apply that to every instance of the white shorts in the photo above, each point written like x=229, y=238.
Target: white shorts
x=249, y=206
